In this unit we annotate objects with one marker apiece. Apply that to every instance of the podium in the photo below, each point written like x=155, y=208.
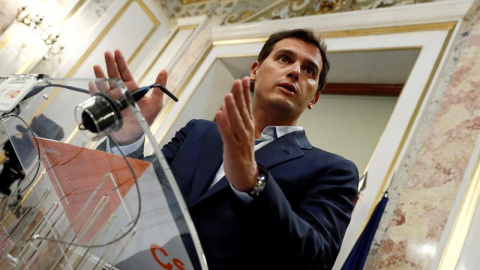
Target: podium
x=79, y=193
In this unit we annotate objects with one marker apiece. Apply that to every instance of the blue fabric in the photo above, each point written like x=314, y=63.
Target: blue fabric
x=357, y=257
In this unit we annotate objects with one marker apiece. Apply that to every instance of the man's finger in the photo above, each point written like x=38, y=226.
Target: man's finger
x=112, y=67
x=122, y=66
x=157, y=94
x=92, y=88
x=247, y=95
x=249, y=121
x=101, y=85
x=224, y=128
x=237, y=92
x=98, y=71
x=234, y=118
x=243, y=104
x=162, y=77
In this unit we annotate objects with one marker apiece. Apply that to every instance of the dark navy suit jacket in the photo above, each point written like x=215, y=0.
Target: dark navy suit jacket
x=297, y=222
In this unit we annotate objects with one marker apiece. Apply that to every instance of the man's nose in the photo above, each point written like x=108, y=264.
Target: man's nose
x=294, y=72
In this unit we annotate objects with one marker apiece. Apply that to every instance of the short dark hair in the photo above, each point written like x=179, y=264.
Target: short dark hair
x=305, y=35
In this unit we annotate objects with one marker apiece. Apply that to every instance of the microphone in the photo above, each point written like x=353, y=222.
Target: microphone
x=101, y=112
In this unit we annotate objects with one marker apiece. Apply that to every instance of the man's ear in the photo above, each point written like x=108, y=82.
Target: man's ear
x=253, y=70
x=314, y=100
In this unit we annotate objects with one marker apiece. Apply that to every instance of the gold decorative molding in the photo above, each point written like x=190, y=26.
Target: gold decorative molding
x=142, y=44
x=100, y=37
x=391, y=30
x=26, y=65
x=5, y=40
x=156, y=24
x=239, y=41
x=463, y=222
x=74, y=10
x=109, y=26
x=147, y=11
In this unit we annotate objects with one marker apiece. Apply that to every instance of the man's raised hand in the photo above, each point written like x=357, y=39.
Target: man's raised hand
x=237, y=128
x=150, y=105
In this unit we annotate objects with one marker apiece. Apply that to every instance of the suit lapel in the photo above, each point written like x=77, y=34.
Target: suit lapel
x=282, y=149
x=209, y=163
x=279, y=151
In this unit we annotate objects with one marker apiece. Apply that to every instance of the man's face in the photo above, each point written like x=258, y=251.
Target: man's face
x=287, y=80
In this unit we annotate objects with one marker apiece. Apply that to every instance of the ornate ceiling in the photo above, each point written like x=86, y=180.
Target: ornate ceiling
x=238, y=11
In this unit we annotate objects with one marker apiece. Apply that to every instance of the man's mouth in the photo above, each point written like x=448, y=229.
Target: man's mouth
x=289, y=87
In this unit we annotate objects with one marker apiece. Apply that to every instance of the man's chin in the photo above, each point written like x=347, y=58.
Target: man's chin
x=283, y=107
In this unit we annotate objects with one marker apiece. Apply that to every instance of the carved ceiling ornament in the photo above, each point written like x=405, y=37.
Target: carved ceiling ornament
x=188, y=2
x=191, y=8
x=240, y=11
x=283, y=9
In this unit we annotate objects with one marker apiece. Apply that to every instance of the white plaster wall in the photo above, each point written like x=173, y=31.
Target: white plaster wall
x=206, y=100
x=348, y=125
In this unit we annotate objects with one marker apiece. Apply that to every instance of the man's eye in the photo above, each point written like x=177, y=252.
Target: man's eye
x=284, y=58
x=310, y=70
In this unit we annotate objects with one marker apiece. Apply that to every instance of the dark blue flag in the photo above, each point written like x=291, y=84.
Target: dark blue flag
x=357, y=257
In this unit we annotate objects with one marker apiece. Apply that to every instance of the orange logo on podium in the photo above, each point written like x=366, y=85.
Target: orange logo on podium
x=165, y=263
x=12, y=94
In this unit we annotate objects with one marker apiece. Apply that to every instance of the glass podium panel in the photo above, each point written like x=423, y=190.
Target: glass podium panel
x=76, y=191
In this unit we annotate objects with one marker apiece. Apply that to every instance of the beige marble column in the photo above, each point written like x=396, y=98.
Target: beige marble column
x=427, y=183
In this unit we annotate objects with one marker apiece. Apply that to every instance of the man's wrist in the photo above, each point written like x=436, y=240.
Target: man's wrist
x=260, y=182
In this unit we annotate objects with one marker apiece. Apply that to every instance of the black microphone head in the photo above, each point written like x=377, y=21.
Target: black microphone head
x=100, y=113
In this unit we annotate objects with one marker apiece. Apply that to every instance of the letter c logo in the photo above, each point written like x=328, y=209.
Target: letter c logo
x=153, y=249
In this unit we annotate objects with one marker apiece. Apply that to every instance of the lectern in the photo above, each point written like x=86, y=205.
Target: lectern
x=80, y=192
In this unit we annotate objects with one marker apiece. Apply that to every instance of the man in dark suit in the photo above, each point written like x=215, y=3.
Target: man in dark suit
x=260, y=195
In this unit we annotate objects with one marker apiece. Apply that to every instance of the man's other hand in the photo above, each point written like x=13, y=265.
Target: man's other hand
x=150, y=105
x=237, y=128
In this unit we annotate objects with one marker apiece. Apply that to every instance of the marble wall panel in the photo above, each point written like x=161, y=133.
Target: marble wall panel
x=431, y=174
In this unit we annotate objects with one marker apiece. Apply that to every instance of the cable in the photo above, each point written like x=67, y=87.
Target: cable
x=37, y=89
